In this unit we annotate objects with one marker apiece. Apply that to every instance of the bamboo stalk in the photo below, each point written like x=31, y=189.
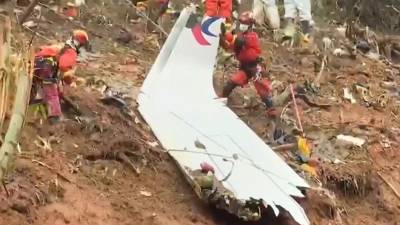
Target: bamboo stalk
x=7, y=150
x=23, y=78
x=3, y=76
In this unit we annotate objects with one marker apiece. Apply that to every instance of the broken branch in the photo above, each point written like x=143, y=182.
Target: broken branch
x=296, y=109
x=28, y=11
x=390, y=185
x=284, y=147
x=52, y=170
x=323, y=64
x=36, y=33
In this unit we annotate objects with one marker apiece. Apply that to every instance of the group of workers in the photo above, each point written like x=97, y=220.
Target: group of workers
x=53, y=63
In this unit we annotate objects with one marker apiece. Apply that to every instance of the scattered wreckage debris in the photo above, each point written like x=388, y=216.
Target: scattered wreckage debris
x=350, y=179
x=229, y=153
x=212, y=191
x=119, y=152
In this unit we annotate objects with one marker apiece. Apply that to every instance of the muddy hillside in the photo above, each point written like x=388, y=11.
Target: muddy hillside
x=102, y=165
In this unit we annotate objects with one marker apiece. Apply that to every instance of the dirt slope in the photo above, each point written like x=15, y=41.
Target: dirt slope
x=103, y=168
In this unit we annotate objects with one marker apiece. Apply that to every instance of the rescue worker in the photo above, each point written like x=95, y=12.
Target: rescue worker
x=266, y=11
x=303, y=8
x=221, y=8
x=247, y=49
x=53, y=67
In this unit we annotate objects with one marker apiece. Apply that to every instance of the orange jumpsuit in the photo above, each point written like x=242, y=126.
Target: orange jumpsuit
x=221, y=8
x=247, y=50
x=49, y=61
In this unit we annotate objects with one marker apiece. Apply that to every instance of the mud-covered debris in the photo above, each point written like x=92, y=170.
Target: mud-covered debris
x=145, y=193
x=348, y=95
x=327, y=44
x=21, y=206
x=340, y=52
x=338, y=161
x=350, y=179
x=117, y=99
x=364, y=93
x=124, y=37
x=79, y=2
x=30, y=24
x=363, y=46
x=372, y=55
x=200, y=145
x=23, y=3
x=350, y=139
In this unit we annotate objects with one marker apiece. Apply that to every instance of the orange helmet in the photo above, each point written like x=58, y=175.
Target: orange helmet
x=247, y=18
x=81, y=36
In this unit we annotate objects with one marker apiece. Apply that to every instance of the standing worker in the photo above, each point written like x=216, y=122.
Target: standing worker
x=266, y=11
x=221, y=8
x=247, y=49
x=54, y=65
x=303, y=7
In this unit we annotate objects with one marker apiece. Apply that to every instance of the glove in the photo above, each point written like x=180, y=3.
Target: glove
x=260, y=59
x=223, y=29
x=272, y=113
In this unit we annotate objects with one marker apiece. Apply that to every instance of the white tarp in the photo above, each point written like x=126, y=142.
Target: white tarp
x=179, y=103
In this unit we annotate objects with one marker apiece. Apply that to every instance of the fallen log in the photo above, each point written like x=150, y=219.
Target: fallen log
x=395, y=191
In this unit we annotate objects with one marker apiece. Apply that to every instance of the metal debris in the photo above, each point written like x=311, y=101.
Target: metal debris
x=350, y=139
x=348, y=95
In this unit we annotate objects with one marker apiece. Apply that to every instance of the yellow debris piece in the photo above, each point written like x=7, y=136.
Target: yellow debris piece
x=309, y=169
x=304, y=150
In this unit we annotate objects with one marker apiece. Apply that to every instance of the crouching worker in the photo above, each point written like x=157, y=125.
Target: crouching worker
x=246, y=46
x=54, y=66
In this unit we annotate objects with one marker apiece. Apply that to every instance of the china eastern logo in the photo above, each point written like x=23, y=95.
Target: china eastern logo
x=200, y=29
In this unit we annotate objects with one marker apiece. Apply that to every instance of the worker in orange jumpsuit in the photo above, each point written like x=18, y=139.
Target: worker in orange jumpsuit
x=52, y=63
x=247, y=49
x=220, y=8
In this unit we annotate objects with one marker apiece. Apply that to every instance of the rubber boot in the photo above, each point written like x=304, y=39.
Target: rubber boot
x=270, y=109
x=306, y=39
x=305, y=27
x=54, y=120
x=228, y=88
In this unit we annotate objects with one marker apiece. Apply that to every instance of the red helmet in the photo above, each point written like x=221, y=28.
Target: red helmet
x=247, y=18
x=81, y=36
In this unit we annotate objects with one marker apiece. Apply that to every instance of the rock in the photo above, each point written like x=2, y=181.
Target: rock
x=21, y=206
x=23, y=3
x=124, y=37
x=363, y=46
